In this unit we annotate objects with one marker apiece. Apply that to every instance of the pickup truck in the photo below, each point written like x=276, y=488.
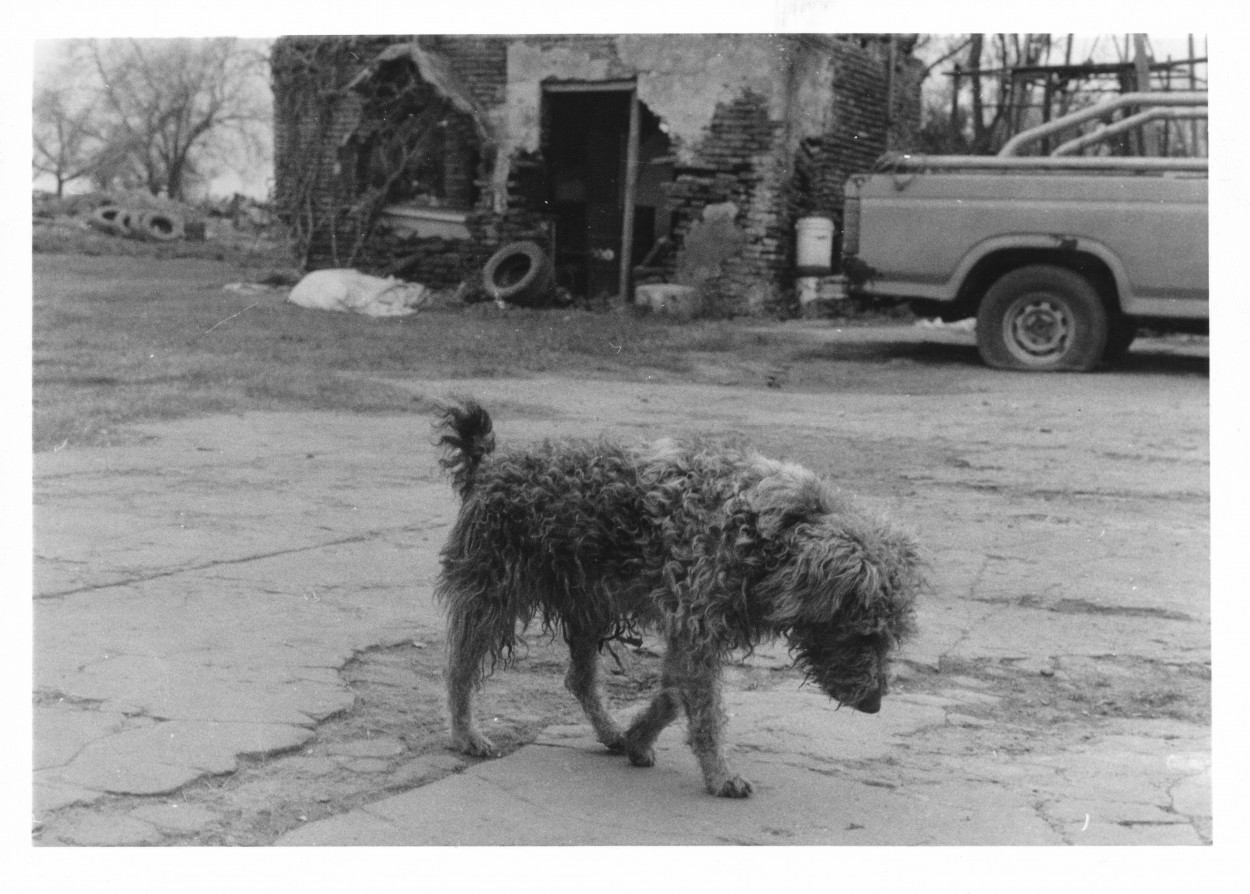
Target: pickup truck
x=1059, y=257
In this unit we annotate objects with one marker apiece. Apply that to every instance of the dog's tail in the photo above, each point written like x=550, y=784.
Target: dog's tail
x=466, y=436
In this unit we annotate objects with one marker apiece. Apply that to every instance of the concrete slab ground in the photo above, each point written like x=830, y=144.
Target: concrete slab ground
x=821, y=777
x=196, y=597
x=203, y=597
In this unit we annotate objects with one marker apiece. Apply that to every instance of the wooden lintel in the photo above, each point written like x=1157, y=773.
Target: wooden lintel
x=587, y=86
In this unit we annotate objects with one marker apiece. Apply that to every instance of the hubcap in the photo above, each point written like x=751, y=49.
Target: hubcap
x=1038, y=328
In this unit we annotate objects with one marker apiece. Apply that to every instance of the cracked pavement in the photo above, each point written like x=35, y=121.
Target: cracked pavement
x=200, y=593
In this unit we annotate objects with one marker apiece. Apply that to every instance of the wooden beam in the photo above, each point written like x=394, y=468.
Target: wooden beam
x=627, y=212
x=587, y=86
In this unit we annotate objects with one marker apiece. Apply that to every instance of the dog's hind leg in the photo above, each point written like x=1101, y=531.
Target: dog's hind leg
x=583, y=681
x=467, y=643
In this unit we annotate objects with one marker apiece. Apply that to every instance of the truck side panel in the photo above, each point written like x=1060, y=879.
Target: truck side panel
x=919, y=231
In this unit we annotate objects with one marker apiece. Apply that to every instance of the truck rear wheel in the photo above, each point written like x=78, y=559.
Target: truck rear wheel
x=1042, y=318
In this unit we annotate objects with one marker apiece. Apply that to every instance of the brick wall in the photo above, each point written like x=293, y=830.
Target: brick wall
x=740, y=160
x=743, y=159
x=317, y=156
x=481, y=64
x=744, y=156
x=862, y=129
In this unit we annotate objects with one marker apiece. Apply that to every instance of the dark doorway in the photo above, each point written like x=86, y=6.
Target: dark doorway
x=586, y=147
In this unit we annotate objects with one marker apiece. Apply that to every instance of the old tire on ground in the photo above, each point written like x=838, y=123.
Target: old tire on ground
x=129, y=223
x=160, y=226
x=108, y=219
x=520, y=273
x=1042, y=318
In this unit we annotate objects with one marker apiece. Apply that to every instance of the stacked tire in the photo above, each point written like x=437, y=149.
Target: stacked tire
x=160, y=226
x=156, y=226
x=111, y=219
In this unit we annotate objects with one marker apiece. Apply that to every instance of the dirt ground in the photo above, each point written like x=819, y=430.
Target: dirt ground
x=1066, y=519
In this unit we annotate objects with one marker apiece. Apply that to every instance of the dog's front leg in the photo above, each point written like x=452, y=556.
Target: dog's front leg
x=702, y=697
x=646, y=727
x=639, y=741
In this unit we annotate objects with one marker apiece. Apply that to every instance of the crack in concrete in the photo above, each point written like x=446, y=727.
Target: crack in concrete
x=995, y=607
x=1184, y=496
x=1055, y=826
x=223, y=563
x=58, y=696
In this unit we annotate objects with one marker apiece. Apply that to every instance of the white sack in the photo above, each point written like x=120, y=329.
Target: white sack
x=355, y=292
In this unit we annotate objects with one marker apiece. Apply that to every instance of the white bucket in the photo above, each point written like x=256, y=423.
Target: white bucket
x=814, y=243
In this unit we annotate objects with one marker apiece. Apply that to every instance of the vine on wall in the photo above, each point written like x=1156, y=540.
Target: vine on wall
x=328, y=131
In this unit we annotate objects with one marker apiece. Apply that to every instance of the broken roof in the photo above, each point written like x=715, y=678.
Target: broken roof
x=436, y=71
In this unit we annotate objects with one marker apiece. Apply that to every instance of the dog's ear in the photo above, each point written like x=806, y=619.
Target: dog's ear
x=845, y=566
x=787, y=494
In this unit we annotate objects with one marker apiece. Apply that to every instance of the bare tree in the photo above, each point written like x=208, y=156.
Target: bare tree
x=984, y=103
x=66, y=143
x=68, y=133
x=170, y=107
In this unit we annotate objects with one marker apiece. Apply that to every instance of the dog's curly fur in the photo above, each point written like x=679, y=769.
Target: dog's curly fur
x=714, y=547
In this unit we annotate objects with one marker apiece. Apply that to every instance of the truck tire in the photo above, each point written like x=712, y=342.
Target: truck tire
x=1042, y=318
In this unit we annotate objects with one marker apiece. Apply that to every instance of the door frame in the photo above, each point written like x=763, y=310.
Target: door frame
x=628, y=199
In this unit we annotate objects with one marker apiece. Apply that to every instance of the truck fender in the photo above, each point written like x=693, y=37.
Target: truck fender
x=1045, y=242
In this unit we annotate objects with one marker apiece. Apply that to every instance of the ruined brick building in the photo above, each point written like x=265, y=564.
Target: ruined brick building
x=423, y=154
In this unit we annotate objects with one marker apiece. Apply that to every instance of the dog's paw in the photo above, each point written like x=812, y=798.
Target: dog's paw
x=474, y=745
x=733, y=787
x=612, y=738
x=642, y=757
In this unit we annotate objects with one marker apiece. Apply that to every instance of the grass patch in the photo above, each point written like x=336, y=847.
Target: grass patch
x=119, y=339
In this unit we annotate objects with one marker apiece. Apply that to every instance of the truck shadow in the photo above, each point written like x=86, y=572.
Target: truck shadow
x=1141, y=360
x=1164, y=361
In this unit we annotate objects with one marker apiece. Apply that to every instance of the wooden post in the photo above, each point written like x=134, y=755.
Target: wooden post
x=891, y=57
x=1196, y=142
x=627, y=210
x=1141, y=62
x=955, y=99
x=1048, y=97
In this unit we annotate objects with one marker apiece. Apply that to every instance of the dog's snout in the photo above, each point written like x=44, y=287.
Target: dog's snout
x=870, y=704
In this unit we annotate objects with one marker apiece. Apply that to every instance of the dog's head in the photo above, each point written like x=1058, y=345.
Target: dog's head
x=852, y=667
x=842, y=589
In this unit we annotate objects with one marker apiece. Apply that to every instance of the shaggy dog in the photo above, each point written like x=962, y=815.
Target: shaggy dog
x=715, y=548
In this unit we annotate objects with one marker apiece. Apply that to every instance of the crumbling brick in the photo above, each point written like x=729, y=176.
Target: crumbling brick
x=747, y=153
